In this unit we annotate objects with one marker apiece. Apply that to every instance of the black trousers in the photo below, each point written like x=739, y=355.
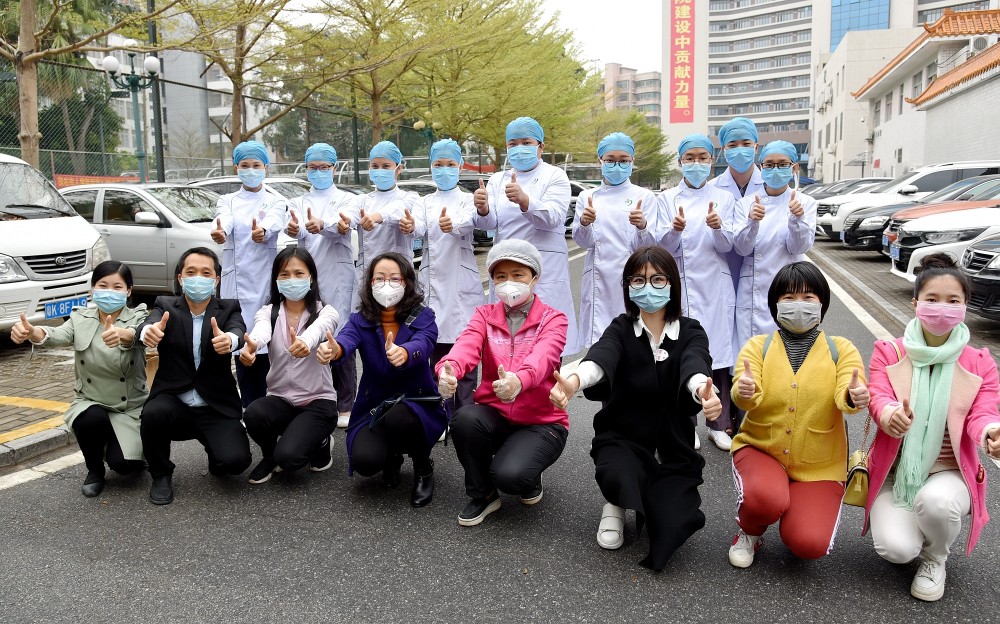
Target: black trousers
x=345, y=382
x=399, y=432
x=466, y=385
x=98, y=442
x=288, y=434
x=252, y=380
x=165, y=418
x=499, y=455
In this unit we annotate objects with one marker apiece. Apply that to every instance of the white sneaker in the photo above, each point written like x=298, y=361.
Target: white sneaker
x=928, y=584
x=744, y=547
x=697, y=441
x=611, y=530
x=343, y=418
x=721, y=439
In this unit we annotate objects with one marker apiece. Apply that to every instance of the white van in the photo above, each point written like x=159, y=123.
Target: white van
x=47, y=250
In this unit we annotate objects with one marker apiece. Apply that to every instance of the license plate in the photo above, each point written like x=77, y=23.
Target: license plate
x=843, y=235
x=894, y=252
x=60, y=309
x=885, y=241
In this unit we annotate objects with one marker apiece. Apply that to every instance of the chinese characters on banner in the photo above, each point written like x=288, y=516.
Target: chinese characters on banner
x=681, y=68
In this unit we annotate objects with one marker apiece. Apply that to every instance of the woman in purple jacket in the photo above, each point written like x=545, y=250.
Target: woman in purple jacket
x=398, y=410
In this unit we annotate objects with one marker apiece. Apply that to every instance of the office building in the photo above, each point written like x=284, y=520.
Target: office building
x=627, y=89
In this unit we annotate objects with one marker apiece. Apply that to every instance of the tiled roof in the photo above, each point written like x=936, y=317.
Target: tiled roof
x=950, y=24
x=975, y=66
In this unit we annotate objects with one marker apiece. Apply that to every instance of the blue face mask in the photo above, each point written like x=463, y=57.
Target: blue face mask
x=198, y=288
x=523, y=157
x=321, y=180
x=696, y=173
x=446, y=178
x=776, y=178
x=251, y=178
x=649, y=299
x=383, y=179
x=616, y=173
x=740, y=158
x=295, y=288
x=108, y=301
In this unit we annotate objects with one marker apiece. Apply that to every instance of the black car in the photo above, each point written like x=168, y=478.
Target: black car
x=863, y=229
x=981, y=263
x=844, y=187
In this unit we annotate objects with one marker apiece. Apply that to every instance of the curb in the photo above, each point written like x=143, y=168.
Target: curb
x=20, y=450
x=873, y=302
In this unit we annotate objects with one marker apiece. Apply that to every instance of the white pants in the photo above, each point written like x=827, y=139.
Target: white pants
x=900, y=535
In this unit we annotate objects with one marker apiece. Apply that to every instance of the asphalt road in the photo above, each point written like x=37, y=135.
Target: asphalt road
x=325, y=547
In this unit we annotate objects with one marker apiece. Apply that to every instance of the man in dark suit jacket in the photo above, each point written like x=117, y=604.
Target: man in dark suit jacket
x=194, y=393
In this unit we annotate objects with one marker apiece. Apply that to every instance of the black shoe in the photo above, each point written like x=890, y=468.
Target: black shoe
x=423, y=484
x=534, y=495
x=322, y=458
x=478, y=508
x=162, y=491
x=263, y=471
x=93, y=484
x=390, y=473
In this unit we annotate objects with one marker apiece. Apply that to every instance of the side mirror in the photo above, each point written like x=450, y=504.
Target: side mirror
x=147, y=218
x=909, y=189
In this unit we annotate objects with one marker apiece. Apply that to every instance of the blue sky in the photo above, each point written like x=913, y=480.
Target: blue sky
x=626, y=31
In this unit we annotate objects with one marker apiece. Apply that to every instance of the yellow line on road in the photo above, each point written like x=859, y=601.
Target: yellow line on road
x=42, y=404
x=44, y=425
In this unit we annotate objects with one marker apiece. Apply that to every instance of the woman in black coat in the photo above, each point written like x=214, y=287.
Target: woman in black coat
x=652, y=372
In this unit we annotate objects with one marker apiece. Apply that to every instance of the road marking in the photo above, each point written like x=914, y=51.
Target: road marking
x=872, y=325
x=881, y=301
x=42, y=404
x=41, y=470
x=43, y=425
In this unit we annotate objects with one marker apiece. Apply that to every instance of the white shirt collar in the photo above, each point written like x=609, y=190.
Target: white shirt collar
x=671, y=330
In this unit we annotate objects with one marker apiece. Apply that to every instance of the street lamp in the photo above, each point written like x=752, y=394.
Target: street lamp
x=428, y=131
x=134, y=82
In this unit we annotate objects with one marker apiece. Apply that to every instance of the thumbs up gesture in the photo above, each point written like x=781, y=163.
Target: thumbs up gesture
x=515, y=194
x=293, y=225
x=563, y=389
x=248, y=354
x=589, y=214
x=993, y=442
x=296, y=346
x=447, y=383
x=757, y=209
x=218, y=234
x=396, y=354
x=857, y=392
x=636, y=216
x=368, y=221
x=445, y=221
x=314, y=225
x=711, y=404
x=795, y=206
x=479, y=199
x=257, y=233
x=900, y=420
x=154, y=334
x=713, y=219
x=344, y=225
x=507, y=386
x=221, y=341
x=746, y=385
x=110, y=335
x=406, y=224
x=23, y=330
x=679, y=221
x=328, y=351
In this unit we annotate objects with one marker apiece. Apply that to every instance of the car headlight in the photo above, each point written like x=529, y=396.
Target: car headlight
x=10, y=271
x=873, y=222
x=99, y=253
x=951, y=236
x=994, y=263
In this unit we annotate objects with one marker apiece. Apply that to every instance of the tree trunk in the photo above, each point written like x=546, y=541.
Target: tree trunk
x=376, y=110
x=27, y=86
x=236, y=121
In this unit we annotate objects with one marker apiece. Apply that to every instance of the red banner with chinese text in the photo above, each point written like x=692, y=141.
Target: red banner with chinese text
x=681, y=34
x=63, y=180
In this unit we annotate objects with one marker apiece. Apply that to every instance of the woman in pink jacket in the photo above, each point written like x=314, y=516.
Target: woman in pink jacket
x=511, y=433
x=934, y=399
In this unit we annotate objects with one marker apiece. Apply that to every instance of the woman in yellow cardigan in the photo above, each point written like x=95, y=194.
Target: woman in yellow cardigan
x=790, y=456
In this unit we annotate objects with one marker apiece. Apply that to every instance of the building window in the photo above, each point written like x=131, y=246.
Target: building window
x=878, y=113
x=841, y=126
x=931, y=72
x=917, y=84
x=827, y=135
x=901, y=89
x=888, y=107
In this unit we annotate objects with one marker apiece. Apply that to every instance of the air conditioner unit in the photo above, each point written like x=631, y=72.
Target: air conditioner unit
x=980, y=43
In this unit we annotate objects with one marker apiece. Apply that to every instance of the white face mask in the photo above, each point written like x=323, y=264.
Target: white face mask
x=799, y=317
x=512, y=293
x=388, y=294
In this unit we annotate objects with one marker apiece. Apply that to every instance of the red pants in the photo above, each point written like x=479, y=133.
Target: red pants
x=808, y=510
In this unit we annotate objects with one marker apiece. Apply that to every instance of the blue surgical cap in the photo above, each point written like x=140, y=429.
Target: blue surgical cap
x=780, y=147
x=446, y=148
x=250, y=149
x=386, y=149
x=616, y=141
x=738, y=129
x=525, y=128
x=321, y=151
x=695, y=140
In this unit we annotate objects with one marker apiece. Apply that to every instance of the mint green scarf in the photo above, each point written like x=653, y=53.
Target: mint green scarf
x=930, y=393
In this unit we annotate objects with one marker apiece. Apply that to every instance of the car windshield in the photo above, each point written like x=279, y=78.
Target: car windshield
x=290, y=190
x=951, y=191
x=25, y=193
x=192, y=204
x=987, y=191
x=891, y=184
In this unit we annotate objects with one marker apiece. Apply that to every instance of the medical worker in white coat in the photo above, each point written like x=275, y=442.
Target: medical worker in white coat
x=530, y=202
x=385, y=216
x=696, y=225
x=449, y=275
x=314, y=221
x=247, y=224
x=610, y=223
x=773, y=229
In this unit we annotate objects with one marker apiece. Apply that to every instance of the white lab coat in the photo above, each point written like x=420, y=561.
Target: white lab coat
x=724, y=181
x=449, y=275
x=766, y=246
x=246, y=265
x=609, y=242
x=700, y=251
x=332, y=251
x=386, y=236
x=544, y=226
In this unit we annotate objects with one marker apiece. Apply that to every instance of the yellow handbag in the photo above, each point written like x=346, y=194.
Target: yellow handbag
x=856, y=488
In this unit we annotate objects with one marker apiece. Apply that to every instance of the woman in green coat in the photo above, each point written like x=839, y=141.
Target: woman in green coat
x=110, y=373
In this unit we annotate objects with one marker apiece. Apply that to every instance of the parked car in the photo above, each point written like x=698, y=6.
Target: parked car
x=47, y=249
x=833, y=211
x=981, y=264
x=968, y=200
x=949, y=232
x=845, y=187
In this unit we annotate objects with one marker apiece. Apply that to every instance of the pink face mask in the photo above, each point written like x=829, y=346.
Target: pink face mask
x=940, y=318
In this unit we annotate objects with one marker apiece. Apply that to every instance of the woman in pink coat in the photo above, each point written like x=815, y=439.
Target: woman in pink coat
x=934, y=399
x=512, y=433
